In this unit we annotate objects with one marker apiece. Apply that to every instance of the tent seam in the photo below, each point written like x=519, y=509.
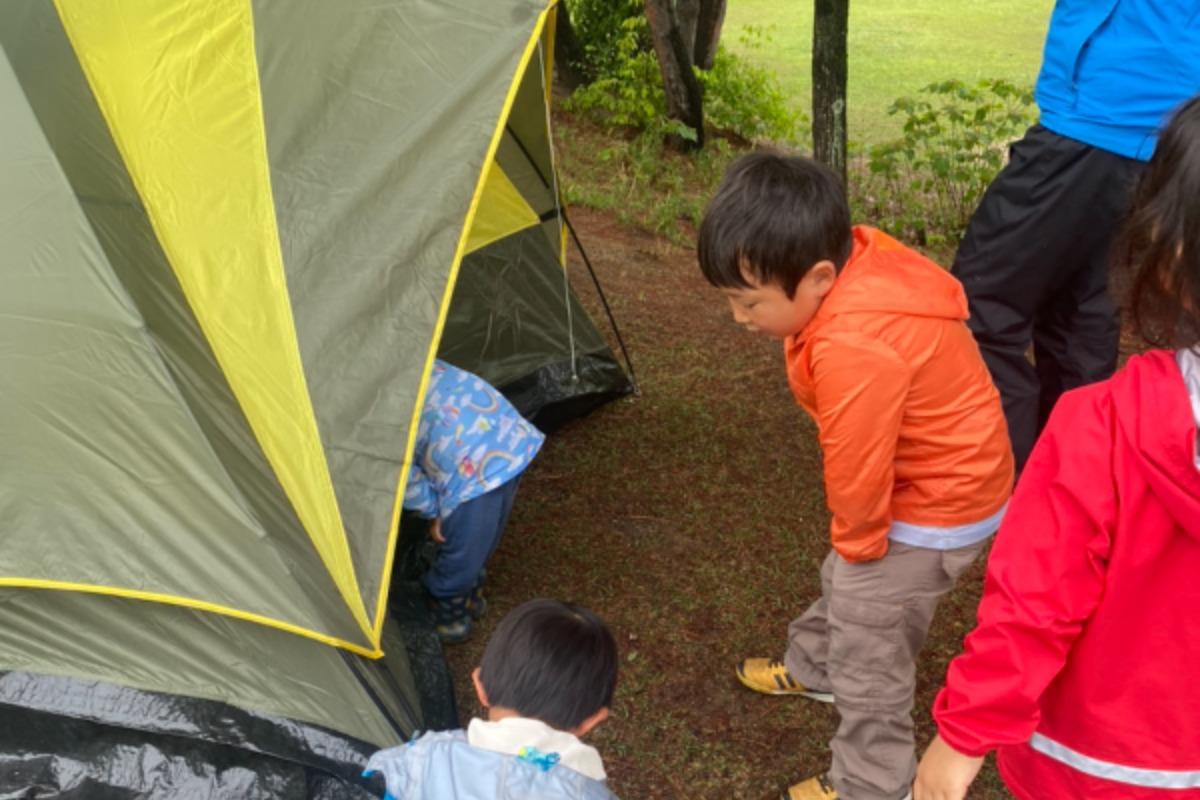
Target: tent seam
x=200, y=605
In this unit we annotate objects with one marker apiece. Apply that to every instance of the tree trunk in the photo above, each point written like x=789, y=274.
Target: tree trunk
x=570, y=65
x=829, y=83
x=687, y=14
x=684, y=102
x=708, y=32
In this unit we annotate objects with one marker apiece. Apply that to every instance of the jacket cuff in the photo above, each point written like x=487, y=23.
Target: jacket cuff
x=961, y=745
x=860, y=552
x=958, y=737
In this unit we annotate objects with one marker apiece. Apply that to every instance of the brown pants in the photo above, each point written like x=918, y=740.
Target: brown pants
x=860, y=640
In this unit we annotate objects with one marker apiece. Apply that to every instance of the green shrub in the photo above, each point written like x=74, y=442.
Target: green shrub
x=631, y=173
x=925, y=185
x=747, y=100
x=599, y=26
x=739, y=98
x=629, y=92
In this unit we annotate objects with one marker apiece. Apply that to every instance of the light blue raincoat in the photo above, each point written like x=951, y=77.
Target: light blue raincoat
x=443, y=766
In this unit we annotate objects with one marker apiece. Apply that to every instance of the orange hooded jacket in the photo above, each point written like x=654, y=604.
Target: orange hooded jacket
x=910, y=424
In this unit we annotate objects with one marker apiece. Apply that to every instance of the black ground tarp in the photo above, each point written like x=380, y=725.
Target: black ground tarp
x=68, y=739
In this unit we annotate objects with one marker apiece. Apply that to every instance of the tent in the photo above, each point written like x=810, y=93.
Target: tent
x=234, y=234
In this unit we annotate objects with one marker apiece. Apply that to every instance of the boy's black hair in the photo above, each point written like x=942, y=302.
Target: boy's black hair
x=551, y=661
x=1161, y=240
x=776, y=216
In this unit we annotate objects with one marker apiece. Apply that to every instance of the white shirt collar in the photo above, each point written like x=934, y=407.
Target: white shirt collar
x=510, y=734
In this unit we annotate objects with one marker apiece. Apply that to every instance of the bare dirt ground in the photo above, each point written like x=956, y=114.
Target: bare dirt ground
x=692, y=518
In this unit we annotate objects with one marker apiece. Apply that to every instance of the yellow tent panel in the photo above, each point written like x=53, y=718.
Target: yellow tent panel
x=195, y=145
x=502, y=211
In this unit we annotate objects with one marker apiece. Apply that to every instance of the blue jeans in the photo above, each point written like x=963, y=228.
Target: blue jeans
x=472, y=532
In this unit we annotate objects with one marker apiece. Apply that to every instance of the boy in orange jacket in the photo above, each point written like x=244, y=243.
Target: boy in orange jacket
x=918, y=467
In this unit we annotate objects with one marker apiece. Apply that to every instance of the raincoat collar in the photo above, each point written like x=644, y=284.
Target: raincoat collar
x=511, y=734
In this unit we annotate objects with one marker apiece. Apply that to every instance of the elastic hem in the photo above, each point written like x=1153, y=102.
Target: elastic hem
x=946, y=537
x=1135, y=144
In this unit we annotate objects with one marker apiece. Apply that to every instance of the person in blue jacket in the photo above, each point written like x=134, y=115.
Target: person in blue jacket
x=546, y=679
x=472, y=447
x=1035, y=257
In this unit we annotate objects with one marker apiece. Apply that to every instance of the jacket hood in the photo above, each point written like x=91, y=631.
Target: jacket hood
x=884, y=276
x=1156, y=415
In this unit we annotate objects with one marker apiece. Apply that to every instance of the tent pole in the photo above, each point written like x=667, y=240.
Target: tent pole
x=637, y=390
x=562, y=210
x=558, y=208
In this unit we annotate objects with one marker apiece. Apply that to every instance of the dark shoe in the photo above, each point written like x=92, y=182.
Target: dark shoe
x=477, y=604
x=455, y=632
x=451, y=618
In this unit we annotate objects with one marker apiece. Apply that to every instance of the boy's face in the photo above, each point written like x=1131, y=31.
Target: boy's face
x=766, y=308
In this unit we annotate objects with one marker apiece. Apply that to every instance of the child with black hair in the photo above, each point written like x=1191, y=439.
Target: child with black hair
x=1081, y=671
x=917, y=463
x=547, y=678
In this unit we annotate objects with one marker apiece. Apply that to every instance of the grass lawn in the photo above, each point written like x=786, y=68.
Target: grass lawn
x=896, y=47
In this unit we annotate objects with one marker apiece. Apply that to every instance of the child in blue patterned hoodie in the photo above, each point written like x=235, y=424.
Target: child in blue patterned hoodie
x=471, y=449
x=547, y=678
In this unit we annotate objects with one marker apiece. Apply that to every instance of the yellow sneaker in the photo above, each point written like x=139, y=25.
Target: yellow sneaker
x=769, y=676
x=818, y=788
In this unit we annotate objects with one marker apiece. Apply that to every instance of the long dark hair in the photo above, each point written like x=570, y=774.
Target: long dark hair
x=1161, y=241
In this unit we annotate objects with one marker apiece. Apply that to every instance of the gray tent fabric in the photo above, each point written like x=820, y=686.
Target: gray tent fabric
x=379, y=131
x=169, y=650
x=111, y=325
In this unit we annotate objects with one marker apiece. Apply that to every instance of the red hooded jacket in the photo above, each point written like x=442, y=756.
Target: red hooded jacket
x=1084, y=669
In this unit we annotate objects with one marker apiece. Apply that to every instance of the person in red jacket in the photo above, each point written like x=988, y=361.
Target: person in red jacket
x=1082, y=671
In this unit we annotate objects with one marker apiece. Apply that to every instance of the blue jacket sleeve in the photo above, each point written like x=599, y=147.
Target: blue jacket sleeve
x=419, y=495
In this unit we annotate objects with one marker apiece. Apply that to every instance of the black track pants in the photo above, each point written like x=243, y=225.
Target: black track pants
x=1034, y=263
